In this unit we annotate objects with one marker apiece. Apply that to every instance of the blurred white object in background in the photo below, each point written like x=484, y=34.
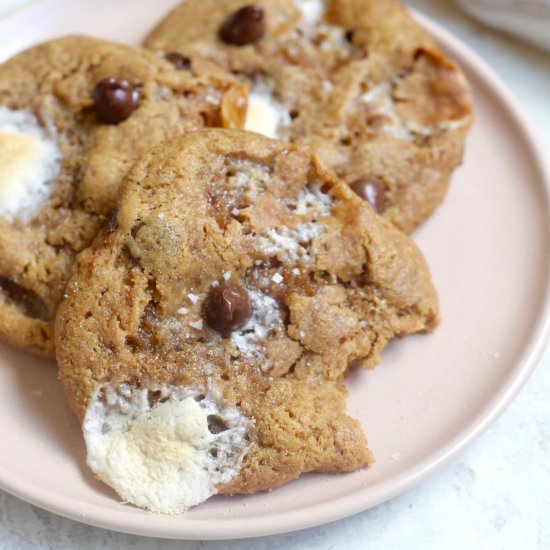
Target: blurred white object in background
x=528, y=19
x=6, y=6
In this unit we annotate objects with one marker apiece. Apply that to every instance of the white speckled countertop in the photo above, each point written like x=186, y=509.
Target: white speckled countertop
x=496, y=495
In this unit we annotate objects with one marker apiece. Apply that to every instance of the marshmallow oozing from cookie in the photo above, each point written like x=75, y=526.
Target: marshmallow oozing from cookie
x=165, y=450
x=265, y=114
x=30, y=160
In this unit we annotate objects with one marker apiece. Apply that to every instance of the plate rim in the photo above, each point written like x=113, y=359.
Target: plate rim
x=323, y=513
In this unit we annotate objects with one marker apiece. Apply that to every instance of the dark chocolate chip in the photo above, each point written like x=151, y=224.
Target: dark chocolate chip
x=349, y=35
x=154, y=397
x=216, y=425
x=372, y=190
x=29, y=301
x=181, y=62
x=115, y=99
x=244, y=26
x=228, y=308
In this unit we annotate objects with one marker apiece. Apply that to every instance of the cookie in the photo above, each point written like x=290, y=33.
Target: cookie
x=358, y=80
x=208, y=328
x=75, y=114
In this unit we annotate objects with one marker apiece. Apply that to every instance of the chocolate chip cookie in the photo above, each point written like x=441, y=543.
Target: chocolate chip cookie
x=75, y=114
x=358, y=80
x=204, y=334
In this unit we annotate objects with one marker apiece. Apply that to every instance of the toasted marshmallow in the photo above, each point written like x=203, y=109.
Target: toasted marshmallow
x=166, y=456
x=30, y=161
x=265, y=115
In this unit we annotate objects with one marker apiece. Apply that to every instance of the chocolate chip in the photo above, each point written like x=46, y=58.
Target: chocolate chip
x=181, y=62
x=372, y=190
x=216, y=425
x=29, y=301
x=228, y=308
x=154, y=397
x=115, y=99
x=244, y=26
x=349, y=35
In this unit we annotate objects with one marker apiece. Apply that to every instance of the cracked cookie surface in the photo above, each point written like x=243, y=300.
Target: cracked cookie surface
x=358, y=80
x=75, y=114
x=241, y=271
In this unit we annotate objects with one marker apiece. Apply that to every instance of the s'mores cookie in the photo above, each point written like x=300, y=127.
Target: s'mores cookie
x=358, y=80
x=204, y=334
x=75, y=114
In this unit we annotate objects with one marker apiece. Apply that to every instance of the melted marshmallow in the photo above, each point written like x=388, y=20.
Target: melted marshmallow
x=30, y=161
x=312, y=11
x=290, y=244
x=266, y=319
x=265, y=115
x=163, y=457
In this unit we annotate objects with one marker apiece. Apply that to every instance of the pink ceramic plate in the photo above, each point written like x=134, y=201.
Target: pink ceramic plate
x=488, y=247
